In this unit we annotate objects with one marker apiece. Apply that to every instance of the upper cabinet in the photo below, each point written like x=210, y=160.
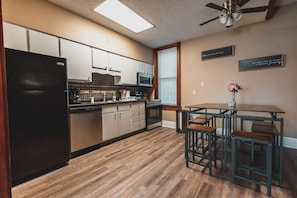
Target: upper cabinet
x=100, y=59
x=43, y=43
x=79, y=60
x=15, y=37
x=115, y=62
x=145, y=68
x=128, y=74
x=106, y=63
x=150, y=69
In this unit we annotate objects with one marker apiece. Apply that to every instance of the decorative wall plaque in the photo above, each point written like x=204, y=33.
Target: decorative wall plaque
x=215, y=53
x=261, y=63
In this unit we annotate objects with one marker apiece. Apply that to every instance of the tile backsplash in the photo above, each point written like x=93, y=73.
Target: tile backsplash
x=103, y=84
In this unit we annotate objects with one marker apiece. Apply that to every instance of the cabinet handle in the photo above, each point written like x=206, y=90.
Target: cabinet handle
x=115, y=116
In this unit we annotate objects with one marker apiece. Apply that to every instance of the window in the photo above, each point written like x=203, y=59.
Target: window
x=167, y=76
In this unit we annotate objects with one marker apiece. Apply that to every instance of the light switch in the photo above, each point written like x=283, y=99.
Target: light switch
x=194, y=92
x=202, y=84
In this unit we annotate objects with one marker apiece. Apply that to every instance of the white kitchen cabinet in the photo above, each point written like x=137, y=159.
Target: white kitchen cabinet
x=145, y=68
x=106, y=63
x=138, y=116
x=149, y=68
x=115, y=120
x=109, y=122
x=124, y=119
x=100, y=59
x=128, y=74
x=42, y=43
x=114, y=62
x=79, y=60
x=141, y=67
x=15, y=37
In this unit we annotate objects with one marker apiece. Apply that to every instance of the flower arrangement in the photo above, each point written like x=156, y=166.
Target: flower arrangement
x=234, y=87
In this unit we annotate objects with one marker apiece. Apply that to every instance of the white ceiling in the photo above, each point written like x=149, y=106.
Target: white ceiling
x=174, y=20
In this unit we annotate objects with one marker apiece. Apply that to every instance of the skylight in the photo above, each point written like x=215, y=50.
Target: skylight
x=121, y=14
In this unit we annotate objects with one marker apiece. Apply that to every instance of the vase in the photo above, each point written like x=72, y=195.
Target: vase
x=233, y=102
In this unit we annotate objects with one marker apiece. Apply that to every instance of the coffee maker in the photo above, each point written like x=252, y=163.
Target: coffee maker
x=74, y=96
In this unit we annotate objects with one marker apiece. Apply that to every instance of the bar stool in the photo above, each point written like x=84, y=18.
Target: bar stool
x=202, y=120
x=200, y=145
x=253, y=139
x=268, y=128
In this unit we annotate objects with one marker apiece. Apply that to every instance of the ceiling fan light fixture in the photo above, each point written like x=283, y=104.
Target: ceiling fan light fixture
x=236, y=16
x=229, y=22
x=223, y=18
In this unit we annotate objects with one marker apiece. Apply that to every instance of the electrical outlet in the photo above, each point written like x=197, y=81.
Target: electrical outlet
x=194, y=92
x=201, y=84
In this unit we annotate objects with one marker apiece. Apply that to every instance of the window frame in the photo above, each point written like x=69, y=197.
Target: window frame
x=178, y=76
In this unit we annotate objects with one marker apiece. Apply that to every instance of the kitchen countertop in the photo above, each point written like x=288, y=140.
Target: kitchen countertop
x=104, y=103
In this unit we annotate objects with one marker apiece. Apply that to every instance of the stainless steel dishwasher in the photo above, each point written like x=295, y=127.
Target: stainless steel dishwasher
x=85, y=128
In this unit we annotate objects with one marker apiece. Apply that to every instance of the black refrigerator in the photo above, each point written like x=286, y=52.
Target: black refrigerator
x=38, y=113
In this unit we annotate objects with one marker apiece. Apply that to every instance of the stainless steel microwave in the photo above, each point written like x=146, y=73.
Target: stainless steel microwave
x=145, y=80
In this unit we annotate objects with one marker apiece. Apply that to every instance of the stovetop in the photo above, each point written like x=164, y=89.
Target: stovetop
x=153, y=101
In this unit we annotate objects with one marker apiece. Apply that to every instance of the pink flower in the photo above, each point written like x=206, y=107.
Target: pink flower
x=234, y=87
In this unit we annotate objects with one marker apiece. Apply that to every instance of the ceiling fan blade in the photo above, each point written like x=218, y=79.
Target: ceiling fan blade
x=255, y=9
x=215, y=6
x=209, y=21
x=242, y=2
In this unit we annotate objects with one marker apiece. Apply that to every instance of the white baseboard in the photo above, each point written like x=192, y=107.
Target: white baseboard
x=288, y=141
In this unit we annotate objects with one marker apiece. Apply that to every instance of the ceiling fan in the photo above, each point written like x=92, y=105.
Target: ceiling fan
x=232, y=11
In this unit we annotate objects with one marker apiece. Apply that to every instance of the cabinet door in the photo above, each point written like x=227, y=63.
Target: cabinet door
x=141, y=67
x=115, y=62
x=124, y=122
x=129, y=72
x=150, y=69
x=109, y=126
x=15, y=37
x=42, y=43
x=79, y=59
x=100, y=59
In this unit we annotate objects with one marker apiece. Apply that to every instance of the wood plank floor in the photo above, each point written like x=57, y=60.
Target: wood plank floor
x=149, y=164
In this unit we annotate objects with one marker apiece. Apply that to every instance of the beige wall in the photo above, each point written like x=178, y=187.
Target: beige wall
x=46, y=17
x=271, y=86
x=275, y=86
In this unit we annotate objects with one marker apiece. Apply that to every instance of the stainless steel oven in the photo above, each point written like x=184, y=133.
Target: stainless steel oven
x=153, y=114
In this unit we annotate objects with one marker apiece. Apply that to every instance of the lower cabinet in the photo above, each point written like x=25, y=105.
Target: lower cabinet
x=137, y=116
x=115, y=120
x=121, y=119
x=124, y=119
x=109, y=122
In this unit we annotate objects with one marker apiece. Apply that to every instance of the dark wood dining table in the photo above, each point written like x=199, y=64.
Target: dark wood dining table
x=239, y=111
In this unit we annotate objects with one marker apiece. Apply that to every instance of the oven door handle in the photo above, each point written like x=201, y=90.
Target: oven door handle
x=85, y=109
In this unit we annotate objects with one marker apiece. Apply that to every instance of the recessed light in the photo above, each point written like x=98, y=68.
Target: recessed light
x=121, y=14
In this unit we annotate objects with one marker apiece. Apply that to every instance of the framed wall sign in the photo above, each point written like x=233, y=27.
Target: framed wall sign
x=216, y=53
x=261, y=63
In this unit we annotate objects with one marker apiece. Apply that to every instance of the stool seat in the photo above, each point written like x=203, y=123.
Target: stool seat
x=202, y=128
x=198, y=121
x=265, y=127
x=202, y=120
x=253, y=135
